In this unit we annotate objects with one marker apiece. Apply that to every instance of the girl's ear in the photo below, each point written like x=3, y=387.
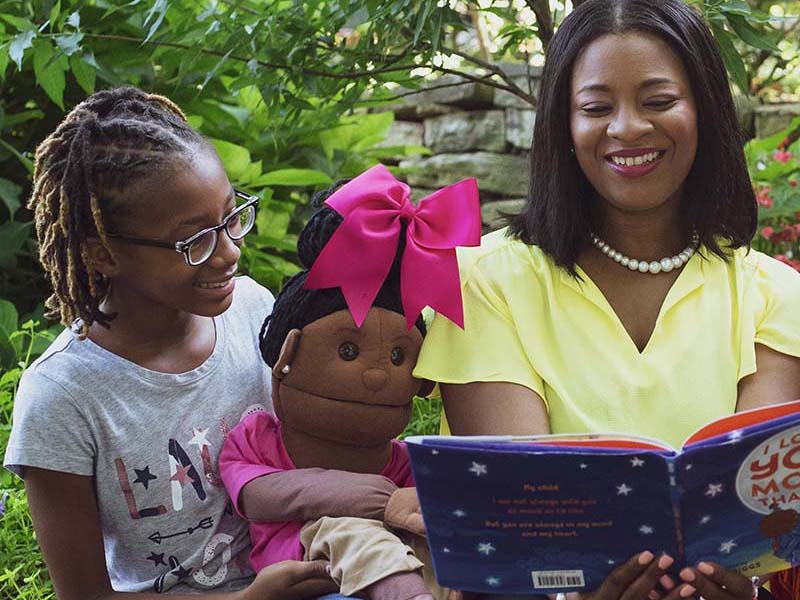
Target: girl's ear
x=99, y=257
x=283, y=365
x=426, y=387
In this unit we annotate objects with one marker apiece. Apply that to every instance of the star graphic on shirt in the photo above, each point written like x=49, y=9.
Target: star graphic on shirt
x=434, y=452
x=144, y=476
x=182, y=475
x=646, y=529
x=486, y=548
x=199, y=438
x=446, y=550
x=637, y=462
x=726, y=547
x=584, y=466
x=158, y=559
x=624, y=489
x=459, y=513
x=705, y=519
x=714, y=489
x=493, y=581
x=478, y=469
x=688, y=467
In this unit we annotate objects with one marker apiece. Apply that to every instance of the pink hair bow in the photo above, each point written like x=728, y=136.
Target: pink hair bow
x=360, y=253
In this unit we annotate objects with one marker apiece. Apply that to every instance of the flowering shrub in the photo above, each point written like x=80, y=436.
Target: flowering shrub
x=774, y=165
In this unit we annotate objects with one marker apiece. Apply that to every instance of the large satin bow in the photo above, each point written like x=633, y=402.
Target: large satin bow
x=360, y=253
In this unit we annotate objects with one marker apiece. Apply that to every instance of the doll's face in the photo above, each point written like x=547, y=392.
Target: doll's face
x=351, y=385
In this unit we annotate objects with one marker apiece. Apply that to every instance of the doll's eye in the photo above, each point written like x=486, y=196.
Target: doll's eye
x=398, y=356
x=348, y=351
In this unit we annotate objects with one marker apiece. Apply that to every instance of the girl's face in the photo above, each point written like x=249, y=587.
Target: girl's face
x=633, y=121
x=172, y=209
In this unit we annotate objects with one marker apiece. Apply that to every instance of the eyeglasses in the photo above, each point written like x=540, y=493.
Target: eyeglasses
x=198, y=248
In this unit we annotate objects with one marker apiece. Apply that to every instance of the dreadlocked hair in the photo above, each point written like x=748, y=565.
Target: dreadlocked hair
x=103, y=147
x=296, y=307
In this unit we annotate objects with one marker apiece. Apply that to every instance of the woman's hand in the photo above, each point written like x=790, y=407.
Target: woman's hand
x=291, y=580
x=638, y=579
x=712, y=582
x=403, y=511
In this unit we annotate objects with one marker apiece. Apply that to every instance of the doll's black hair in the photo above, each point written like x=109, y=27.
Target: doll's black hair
x=296, y=307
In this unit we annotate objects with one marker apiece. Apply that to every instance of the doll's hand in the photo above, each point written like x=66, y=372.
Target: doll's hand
x=291, y=580
x=778, y=523
x=403, y=511
x=712, y=582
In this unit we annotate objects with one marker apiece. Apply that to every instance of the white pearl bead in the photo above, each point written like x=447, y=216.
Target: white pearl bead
x=625, y=261
x=666, y=265
x=654, y=267
x=644, y=266
x=605, y=248
x=618, y=257
x=677, y=262
x=633, y=264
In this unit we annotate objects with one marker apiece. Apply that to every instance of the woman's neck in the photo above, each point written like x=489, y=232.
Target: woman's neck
x=644, y=236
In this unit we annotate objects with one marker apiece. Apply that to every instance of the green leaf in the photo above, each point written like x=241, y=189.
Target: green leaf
x=83, y=72
x=9, y=194
x=750, y=35
x=159, y=10
x=8, y=319
x=235, y=158
x=70, y=44
x=735, y=7
x=733, y=61
x=21, y=24
x=20, y=43
x=4, y=60
x=49, y=71
x=27, y=162
x=293, y=177
x=54, y=13
x=13, y=236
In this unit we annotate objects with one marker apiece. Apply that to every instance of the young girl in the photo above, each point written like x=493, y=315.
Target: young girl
x=118, y=426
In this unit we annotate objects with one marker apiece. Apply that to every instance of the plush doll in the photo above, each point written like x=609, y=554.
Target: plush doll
x=342, y=342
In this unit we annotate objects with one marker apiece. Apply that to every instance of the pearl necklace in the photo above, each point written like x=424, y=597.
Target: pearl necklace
x=666, y=264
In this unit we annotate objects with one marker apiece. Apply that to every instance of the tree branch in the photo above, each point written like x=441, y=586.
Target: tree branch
x=544, y=20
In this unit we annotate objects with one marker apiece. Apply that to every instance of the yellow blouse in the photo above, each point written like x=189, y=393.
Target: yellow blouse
x=529, y=322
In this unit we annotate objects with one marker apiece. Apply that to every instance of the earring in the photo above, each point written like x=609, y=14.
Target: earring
x=285, y=370
x=571, y=150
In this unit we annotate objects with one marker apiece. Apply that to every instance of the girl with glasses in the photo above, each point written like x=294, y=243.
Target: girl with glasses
x=118, y=426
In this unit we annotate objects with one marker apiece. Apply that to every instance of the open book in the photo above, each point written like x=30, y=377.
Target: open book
x=559, y=512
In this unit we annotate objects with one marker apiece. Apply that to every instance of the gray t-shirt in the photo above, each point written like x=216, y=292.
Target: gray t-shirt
x=151, y=441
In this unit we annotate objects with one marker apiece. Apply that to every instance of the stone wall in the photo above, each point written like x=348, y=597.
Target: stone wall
x=472, y=130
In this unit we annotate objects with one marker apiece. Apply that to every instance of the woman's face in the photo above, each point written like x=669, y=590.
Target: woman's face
x=633, y=121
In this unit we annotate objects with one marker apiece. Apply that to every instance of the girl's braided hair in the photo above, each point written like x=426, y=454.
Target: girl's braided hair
x=296, y=307
x=84, y=172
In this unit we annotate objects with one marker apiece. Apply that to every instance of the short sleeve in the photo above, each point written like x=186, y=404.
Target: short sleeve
x=246, y=454
x=778, y=325
x=488, y=349
x=49, y=430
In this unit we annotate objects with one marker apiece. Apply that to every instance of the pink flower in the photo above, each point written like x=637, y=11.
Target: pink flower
x=783, y=156
x=767, y=232
x=793, y=182
x=763, y=198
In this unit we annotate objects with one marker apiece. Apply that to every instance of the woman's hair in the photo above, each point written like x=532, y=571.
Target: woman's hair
x=295, y=307
x=86, y=173
x=718, y=199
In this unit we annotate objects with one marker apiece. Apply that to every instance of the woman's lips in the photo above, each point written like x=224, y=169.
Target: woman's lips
x=627, y=170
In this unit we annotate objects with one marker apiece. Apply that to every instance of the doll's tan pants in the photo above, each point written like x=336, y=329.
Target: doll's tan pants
x=361, y=551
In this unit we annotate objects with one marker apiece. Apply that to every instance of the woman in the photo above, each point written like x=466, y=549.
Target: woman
x=624, y=297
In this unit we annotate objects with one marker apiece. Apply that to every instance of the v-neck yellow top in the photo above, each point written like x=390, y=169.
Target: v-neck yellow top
x=528, y=322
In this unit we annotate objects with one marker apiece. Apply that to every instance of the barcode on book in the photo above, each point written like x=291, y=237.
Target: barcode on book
x=554, y=579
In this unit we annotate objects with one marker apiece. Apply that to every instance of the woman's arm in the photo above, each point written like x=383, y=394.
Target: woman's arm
x=67, y=525
x=494, y=408
x=776, y=380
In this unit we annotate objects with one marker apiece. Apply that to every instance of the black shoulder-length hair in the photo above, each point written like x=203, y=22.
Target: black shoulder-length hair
x=718, y=200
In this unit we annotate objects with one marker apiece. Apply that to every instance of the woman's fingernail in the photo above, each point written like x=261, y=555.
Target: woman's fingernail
x=654, y=595
x=665, y=562
x=328, y=569
x=646, y=557
x=687, y=591
x=687, y=575
x=706, y=568
x=666, y=582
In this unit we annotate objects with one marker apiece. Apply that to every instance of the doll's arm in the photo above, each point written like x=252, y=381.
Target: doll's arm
x=308, y=494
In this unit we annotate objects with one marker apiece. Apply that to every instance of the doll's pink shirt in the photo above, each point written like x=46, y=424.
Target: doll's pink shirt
x=255, y=448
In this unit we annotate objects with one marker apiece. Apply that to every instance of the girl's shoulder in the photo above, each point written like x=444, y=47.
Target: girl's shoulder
x=248, y=294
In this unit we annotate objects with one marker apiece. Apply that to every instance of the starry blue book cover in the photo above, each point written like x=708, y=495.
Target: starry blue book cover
x=544, y=514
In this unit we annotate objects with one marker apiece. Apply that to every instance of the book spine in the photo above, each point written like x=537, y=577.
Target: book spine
x=675, y=495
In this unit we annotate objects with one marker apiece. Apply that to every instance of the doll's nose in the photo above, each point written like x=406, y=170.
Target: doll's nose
x=374, y=379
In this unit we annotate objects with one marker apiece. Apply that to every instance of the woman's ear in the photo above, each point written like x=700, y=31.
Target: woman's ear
x=426, y=387
x=98, y=257
x=283, y=366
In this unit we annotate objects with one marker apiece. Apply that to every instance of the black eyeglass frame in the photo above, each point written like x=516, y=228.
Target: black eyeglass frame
x=183, y=245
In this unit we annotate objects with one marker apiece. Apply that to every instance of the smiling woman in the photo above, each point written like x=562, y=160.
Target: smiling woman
x=625, y=298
